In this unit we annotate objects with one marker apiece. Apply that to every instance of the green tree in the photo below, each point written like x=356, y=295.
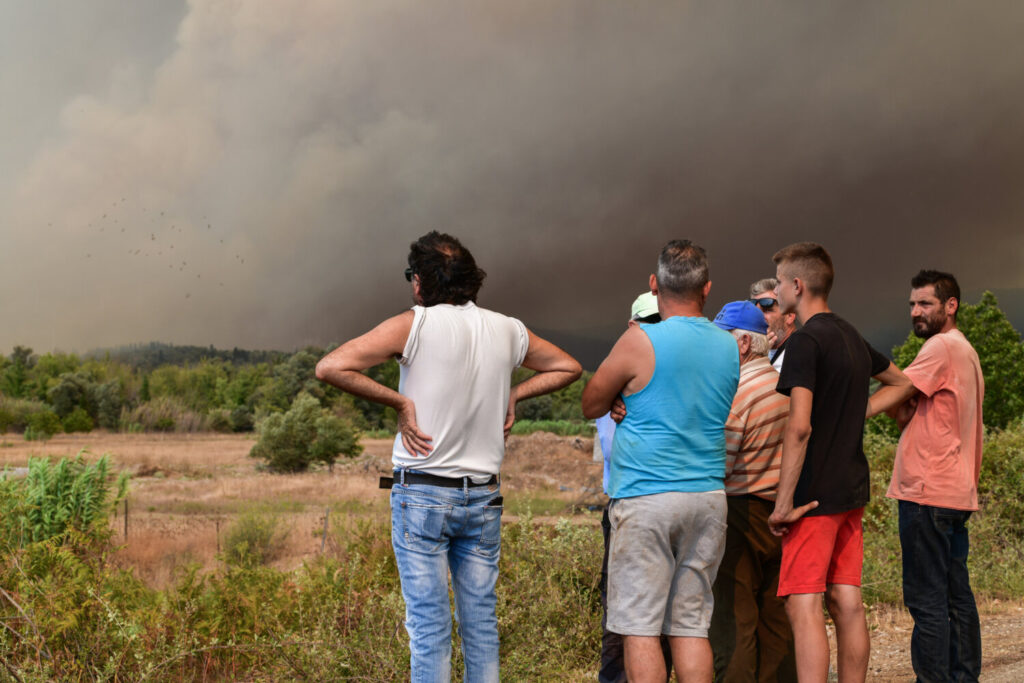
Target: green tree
x=1001, y=354
x=109, y=401
x=307, y=433
x=42, y=425
x=77, y=421
x=47, y=369
x=73, y=390
x=144, y=394
x=15, y=378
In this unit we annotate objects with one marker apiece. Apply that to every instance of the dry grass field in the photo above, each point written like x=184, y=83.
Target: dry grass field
x=186, y=489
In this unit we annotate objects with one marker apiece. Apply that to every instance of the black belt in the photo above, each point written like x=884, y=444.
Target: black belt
x=434, y=480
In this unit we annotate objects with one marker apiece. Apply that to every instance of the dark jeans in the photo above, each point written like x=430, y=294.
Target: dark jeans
x=613, y=666
x=946, y=643
x=750, y=633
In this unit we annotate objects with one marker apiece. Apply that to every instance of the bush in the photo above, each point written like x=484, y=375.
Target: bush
x=42, y=425
x=73, y=390
x=559, y=427
x=242, y=419
x=164, y=415
x=292, y=441
x=219, y=420
x=253, y=540
x=77, y=421
x=15, y=412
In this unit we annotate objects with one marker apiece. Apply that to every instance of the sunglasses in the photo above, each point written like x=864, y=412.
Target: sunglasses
x=765, y=303
x=408, y=274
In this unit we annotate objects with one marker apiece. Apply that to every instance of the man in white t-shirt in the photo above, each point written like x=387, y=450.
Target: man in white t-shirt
x=455, y=407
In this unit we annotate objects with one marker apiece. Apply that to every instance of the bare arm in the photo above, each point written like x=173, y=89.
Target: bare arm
x=896, y=389
x=615, y=373
x=794, y=450
x=555, y=369
x=343, y=368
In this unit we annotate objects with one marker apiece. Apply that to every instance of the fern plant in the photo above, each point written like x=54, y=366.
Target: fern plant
x=68, y=494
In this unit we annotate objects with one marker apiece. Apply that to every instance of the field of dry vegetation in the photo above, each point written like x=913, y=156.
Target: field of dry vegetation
x=188, y=490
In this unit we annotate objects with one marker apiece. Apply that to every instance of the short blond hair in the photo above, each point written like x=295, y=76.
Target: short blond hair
x=810, y=262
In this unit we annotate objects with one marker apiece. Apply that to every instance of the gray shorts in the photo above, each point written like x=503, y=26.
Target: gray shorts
x=664, y=555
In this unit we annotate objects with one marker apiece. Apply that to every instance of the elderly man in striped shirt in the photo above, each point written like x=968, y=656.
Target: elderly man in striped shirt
x=750, y=634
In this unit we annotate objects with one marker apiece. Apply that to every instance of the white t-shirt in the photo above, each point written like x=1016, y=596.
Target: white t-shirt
x=777, y=360
x=457, y=368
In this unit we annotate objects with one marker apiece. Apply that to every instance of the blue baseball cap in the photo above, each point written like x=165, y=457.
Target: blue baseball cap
x=741, y=315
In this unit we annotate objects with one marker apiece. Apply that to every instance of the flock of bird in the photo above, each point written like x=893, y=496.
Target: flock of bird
x=160, y=237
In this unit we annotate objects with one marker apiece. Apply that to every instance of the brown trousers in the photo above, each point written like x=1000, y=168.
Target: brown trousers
x=750, y=633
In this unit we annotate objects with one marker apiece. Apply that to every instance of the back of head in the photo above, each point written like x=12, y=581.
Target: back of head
x=682, y=270
x=768, y=284
x=446, y=270
x=811, y=263
x=946, y=286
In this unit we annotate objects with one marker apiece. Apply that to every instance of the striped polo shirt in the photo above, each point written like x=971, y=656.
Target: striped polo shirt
x=753, y=432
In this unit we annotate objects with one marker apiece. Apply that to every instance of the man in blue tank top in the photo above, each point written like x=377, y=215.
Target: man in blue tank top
x=668, y=510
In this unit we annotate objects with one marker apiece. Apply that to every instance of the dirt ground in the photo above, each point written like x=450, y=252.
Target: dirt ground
x=186, y=489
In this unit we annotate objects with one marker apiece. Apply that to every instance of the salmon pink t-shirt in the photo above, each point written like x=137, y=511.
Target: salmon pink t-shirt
x=939, y=455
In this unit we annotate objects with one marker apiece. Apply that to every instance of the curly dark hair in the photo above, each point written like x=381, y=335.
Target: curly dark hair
x=447, y=271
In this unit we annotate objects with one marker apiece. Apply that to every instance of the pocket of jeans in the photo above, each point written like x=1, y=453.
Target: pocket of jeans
x=490, y=528
x=423, y=524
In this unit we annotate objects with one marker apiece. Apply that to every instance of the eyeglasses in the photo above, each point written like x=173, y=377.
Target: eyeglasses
x=408, y=274
x=765, y=303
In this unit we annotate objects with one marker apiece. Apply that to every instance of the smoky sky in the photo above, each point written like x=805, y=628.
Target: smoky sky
x=251, y=173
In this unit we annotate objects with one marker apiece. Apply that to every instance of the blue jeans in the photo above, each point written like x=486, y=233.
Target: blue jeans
x=946, y=643
x=435, y=530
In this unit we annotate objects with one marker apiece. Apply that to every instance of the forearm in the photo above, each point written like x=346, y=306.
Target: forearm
x=544, y=383
x=794, y=451
x=358, y=384
x=896, y=388
x=889, y=397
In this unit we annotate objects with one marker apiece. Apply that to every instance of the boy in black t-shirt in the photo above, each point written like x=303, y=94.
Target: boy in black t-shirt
x=824, y=482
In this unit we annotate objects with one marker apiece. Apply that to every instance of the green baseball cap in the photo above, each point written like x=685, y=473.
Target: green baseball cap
x=644, y=305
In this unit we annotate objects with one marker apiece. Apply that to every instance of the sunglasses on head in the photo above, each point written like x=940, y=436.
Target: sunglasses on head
x=764, y=303
x=408, y=274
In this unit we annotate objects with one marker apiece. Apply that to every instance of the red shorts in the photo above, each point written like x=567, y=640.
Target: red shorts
x=822, y=550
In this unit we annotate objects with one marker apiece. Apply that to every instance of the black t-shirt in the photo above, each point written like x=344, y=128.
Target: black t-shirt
x=830, y=358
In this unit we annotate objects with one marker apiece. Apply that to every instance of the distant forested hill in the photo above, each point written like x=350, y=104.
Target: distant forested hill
x=154, y=354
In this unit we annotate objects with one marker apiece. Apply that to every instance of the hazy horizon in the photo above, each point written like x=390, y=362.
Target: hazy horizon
x=250, y=175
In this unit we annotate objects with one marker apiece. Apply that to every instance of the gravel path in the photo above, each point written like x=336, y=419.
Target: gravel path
x=1002, y=643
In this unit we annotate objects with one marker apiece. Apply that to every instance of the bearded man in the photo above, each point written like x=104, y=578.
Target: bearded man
x=935, y=480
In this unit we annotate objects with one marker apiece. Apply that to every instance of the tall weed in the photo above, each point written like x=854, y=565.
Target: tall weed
x=253, y=540
x=57, y=497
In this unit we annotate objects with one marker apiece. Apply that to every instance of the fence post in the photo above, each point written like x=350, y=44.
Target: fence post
x=323, y=541
x=126, y=518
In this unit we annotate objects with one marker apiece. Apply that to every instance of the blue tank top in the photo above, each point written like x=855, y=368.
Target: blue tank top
x=673, y=436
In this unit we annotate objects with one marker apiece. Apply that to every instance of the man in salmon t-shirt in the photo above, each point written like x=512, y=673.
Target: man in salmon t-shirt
x=935, y=480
